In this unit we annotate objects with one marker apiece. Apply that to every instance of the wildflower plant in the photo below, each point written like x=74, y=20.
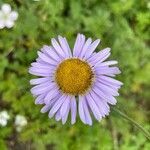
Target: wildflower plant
x=68, y=75
x=123, y=26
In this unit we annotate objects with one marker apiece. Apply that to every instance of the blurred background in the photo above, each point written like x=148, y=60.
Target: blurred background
x=123, y=25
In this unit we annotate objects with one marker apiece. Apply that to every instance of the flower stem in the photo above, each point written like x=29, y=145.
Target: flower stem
x=146, y=133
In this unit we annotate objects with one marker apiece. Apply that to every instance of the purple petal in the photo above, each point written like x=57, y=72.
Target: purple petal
x=109, y=71
x=45, y=108
x=46, y=59
x=65, y=116
x=111, y=80
x=39, y=60
x=87, y=113
x=94, y=107
x=102, y=105
x=58, y=48
x=91, y=48
x=107, y=63
x=51, y=94
x=64, y=45
x=100, y=56
x=40, y=70
x=42, y=88
x=107, y=89
x=81, y=109
x=108, y=98
x=114, y=86
x=51, y=53
x=98, y=102
x=69, y=50
x=42, y=65
x=58, y=116
x=57, y=105
x=36, y=72
x=48, y=106
x=40, y=99
x=39, y=81
x=78, y=45
x=65, y=106
x=85, y=47
x=73, y=106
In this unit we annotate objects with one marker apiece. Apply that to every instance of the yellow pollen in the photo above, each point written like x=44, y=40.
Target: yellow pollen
x=74, y=76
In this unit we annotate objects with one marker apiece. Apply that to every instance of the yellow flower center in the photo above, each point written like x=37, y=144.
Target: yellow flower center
x=74, y=76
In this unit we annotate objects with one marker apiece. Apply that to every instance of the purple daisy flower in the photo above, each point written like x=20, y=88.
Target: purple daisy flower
x=77, y=80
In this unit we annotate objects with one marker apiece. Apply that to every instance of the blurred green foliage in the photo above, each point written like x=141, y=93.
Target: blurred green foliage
x=123, y=25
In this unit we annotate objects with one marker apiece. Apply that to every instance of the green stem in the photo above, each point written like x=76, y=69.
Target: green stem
x=147, y=134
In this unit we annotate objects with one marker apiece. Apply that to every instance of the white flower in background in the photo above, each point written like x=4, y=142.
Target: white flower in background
x=7, y=17
x=20, y=122
x=4, y=117
x=148, y=5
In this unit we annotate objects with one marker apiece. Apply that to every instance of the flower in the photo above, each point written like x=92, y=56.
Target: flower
x=20, y=122
x=7, y=17
x=68, y=79
x=4, y=117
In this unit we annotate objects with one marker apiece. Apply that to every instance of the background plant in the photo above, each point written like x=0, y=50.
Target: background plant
x=122, y=25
